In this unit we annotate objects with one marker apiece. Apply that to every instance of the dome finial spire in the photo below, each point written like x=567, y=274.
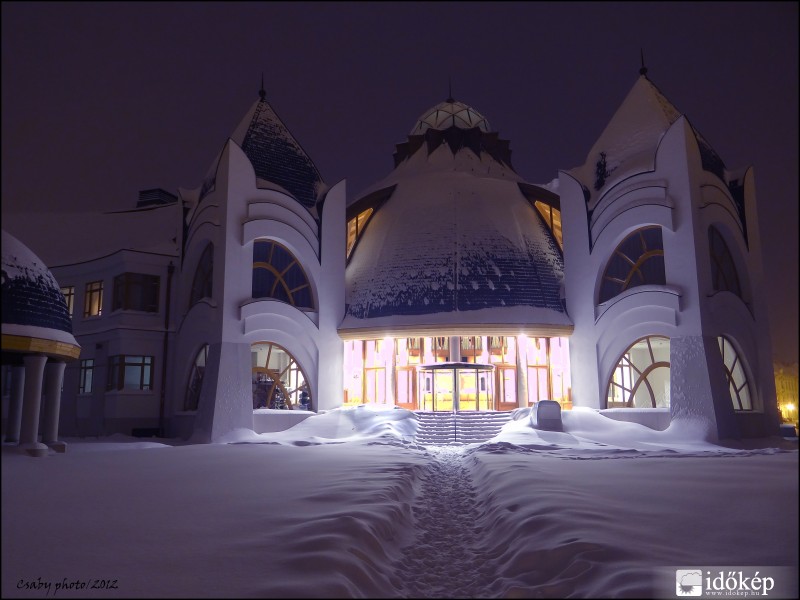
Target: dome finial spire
x=643, y=69
x=261, y=92
x=449, y=89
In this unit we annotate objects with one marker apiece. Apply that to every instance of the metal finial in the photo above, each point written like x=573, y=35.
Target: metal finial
x=261, y=92
x=643, y=70
x=449, y=90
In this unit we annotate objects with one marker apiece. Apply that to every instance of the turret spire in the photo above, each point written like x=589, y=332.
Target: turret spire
x=643, y=69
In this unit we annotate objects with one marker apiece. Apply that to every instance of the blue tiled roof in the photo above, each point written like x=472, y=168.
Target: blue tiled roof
x=277, y=157
x=453, y=249
x=30, y=293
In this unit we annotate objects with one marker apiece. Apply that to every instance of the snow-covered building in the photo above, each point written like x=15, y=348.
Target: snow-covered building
x=37, y=343
x=630, y=284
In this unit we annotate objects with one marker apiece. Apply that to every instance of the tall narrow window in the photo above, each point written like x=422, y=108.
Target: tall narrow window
x=69, y=297
x=638, y=260
x=93, y=299
x=355, y=227
x=737, y=379
x=277, y=274
x=203, y=276
x=724, y=276
x=195, y=386
x=130, y=373
x=551, y=216
x=136, y=291
x=641, y=377
x=86, y=376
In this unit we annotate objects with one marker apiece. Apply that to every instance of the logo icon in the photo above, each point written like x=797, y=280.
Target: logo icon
x=689, y=583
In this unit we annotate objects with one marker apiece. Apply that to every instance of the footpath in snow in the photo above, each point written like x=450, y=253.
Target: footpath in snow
x=447, y=558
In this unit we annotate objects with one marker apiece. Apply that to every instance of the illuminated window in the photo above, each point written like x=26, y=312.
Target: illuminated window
x=203, y=276
x=93, y=299
x=638, y=260
x=130, y=373
x=278, y=381
x=69, y=297
x=641, y=377
x=136, y=291
x=723, y=270
x=277, y=274
x=552, y=217
x=737, y=379
x=196, y=380
x=86, y=376
x=355, y=227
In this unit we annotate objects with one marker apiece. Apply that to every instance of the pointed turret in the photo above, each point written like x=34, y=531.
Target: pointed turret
x=629, y=142
x=276, y=155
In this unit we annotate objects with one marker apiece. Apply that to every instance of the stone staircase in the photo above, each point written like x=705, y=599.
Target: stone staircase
x=468, y=427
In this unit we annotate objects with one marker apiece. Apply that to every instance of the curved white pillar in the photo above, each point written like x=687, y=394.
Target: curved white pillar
x=28, y=441
x=53, y=379
x=15, y=404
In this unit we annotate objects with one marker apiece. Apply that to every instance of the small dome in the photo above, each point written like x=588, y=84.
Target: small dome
x=30, y=294
x=450, y=113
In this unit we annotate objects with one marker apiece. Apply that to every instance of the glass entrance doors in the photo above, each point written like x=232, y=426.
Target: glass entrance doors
x=455, y=386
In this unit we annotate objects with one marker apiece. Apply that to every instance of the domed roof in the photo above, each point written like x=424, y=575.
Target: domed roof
x=450, y=113
x=35, y=313
x=450, y=249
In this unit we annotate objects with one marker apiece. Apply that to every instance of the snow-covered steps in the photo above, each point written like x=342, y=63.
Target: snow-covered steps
x=468, y=427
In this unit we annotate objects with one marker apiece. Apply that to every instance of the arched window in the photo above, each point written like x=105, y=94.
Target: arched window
x=203, y=276
x=737, y=379
x=195, y=384
x=638, y=260
x=278, y=381
x=724, y=276
x=641, y=377
x=277, y=274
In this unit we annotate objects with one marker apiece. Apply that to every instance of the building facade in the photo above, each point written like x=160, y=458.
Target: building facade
x=631, y=284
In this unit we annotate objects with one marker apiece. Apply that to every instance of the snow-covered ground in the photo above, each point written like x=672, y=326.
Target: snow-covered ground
x=345, y=504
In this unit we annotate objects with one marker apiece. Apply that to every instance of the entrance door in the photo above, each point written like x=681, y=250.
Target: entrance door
x=436, y=391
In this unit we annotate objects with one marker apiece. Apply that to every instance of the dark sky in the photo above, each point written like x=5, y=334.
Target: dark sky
x=101, y=100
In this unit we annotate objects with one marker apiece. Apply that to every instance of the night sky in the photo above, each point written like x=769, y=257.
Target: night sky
x=101, y=100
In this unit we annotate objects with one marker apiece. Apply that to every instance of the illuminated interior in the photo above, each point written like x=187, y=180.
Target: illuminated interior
x=355, y=227
x=551, y=216
x=278, y=381
x=737, y=379
x=488, y=373
x=641, y=377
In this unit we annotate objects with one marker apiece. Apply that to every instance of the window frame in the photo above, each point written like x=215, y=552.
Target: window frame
x=93, y=291
x=140, y=292
x=119, y=363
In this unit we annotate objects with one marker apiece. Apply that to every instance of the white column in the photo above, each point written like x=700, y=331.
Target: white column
x=15, y=404
x=455, y=356
x=53, y=378
x=29, y=434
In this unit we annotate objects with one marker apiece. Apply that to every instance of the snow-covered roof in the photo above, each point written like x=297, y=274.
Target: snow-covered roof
x=31, y=297
x=629, y=142
x=276, y=155
x=456, y=236
x=68, y=238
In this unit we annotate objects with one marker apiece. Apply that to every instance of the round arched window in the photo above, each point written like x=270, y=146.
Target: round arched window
x=195, y=385
x=737, y=378
x=641, y=377
x=278, y=381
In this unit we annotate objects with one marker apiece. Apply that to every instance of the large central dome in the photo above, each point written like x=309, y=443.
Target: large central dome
x=450, y=113
x=449, y=239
